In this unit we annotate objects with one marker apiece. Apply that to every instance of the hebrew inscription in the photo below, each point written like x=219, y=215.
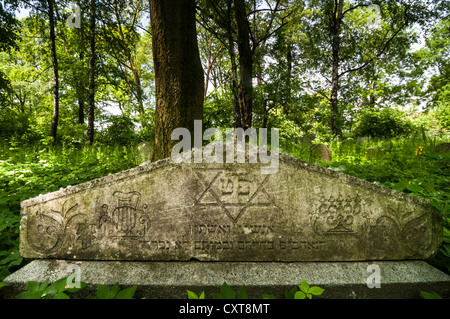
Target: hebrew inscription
x=229, y=212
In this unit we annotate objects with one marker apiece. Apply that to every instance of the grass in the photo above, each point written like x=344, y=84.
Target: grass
x=29, y=172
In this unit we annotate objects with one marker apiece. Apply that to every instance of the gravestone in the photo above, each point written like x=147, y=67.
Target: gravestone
x=230, y=213
x=321, y=152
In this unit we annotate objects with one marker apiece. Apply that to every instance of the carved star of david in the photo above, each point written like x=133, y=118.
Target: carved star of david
x=233, y=192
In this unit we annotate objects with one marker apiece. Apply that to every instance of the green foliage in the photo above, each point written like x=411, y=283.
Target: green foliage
x=104, y=292
x=442, y=112
x=57, y=290
x=193, y=295
x=303, y=291
x=29, y=172
x=386, y=123
x=120, y=131
x=430, y=295
x=227, y=293
x=61, y=289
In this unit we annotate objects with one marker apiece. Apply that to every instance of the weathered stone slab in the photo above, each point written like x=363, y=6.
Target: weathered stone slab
x=161, y=280
x=229, y=212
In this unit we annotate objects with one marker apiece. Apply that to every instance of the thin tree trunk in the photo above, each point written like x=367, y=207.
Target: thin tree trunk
x=372, y=97
x=55, y=115
x=90, y=127
x=245, y=64
x=289, y=73
x=80, y=110
x=80, y=87
x=234, y=75
x=135, y=73
x=335, y=117
x=81, y=96
x=179, y=78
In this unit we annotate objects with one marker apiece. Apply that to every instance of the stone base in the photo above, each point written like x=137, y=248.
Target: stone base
x=164, y=280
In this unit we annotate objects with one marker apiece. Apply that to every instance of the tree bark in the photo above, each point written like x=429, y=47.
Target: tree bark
x=245, y=64
x=335, y=47
x=80, y=110
x=289, y=61
x=91, y=107
x=55, y=115
x=234, y=75
x=179, y=79
x=81, y=96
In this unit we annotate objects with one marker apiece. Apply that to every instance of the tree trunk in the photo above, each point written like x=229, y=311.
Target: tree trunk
x=90, y=126
x=136, y=76
x=80, y=110
x=245, y=64
x=179, y=79
x=289, y=73
x=234, y=76
x=55, y=115
x=81, y=96
x=335, y=47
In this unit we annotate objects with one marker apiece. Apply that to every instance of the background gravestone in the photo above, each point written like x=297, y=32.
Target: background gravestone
x=321, y=152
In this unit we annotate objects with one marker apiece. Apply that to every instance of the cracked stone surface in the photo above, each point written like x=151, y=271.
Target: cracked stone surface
x=166, y=211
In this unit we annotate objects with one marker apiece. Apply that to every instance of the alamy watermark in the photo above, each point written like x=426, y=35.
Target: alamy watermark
x=374, y=19
x=74, y=20
x=235, y=140
x=374, y=279
x=74, y=280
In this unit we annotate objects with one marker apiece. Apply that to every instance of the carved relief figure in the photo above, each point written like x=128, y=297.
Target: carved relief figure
x=126, y=219
x=340, y=215
x=234, y=193
x=48, y=231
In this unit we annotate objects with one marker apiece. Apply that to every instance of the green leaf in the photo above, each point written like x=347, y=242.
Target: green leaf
x=291, y=293
x=414, y=188
x=446, y=235
x=299, y=295
x=266, y=296
x=430, y=295
x=32, y=286
x=127, y=293
x=3, y=284
x=44, y=285
x=227, y=292
x=102, y=291
x=192, y=295
x=56, y=287
x=304, y=286
x=61, y=295
x=114, y=290
x=29, y=295
x=445, y=249
x=72, y=290
x=242, y=293
x=316, y=290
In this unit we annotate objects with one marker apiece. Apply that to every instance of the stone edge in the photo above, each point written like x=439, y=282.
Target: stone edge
x=148, y=167
x=169, y=280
